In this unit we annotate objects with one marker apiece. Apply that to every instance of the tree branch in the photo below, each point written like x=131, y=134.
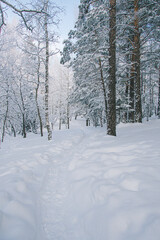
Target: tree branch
x=20, y=12
x=2, y=18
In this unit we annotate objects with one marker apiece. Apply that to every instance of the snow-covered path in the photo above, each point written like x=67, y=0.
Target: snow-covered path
x=55, y=185
x=53, y=196
x=83, y=185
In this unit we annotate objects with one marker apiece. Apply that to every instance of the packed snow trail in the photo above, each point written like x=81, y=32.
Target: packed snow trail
x=52, y=201
x=54, y=189
x=83, y=185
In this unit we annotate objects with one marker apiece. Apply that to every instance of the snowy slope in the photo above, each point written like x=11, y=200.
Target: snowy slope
x=83, y=185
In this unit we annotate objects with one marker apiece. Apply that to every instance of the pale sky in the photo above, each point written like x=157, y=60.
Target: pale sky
x=69, y=17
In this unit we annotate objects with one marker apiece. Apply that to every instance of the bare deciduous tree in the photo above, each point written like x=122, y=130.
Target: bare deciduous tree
x=20, y=11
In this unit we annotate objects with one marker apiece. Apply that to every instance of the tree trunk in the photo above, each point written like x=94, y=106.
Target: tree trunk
x=87, y=122
x=68, y=104
x=24, y=134
x=111, y=111
x=23, y=126
x=37, y=105
x=138, y=104
x=101, y=121
x=60, y=123
x=12, y=129
x=68, y=119
x=60, y=114
x=132, y=88
x=47, y=74
x=104, y=89
x=150, y=97
x=5, y=119
x=158, y=109
x=126, y=93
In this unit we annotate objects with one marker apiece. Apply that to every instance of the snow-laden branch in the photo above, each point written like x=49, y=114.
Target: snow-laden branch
x=19, y=12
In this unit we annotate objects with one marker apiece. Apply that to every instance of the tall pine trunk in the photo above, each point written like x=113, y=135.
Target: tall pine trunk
x=158, y=109
x=138, y=104
x=111, y=111
x=47, y=74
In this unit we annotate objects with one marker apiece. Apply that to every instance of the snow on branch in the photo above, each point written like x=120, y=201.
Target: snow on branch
x=18, y=11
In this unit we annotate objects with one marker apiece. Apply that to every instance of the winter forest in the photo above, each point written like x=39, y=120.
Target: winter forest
x=80, y=123
x=111, y=70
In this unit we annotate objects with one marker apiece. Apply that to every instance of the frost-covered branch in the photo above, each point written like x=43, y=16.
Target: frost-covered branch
x=19, y=12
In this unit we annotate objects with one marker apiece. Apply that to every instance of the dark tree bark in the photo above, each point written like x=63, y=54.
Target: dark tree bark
x=132, y=88
x=158, y=109
x=126, y=117
x=60, y=123
x=111, y=111
x=87, y=122
x=104, y=89
x=24, y=126
x=138, y=104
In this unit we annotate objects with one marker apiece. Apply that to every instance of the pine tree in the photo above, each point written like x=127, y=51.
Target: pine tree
x=90, y=62
x=111, y=114
x=138, y=105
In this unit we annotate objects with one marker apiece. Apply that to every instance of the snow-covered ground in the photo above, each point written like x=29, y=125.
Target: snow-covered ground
x=83, y=185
